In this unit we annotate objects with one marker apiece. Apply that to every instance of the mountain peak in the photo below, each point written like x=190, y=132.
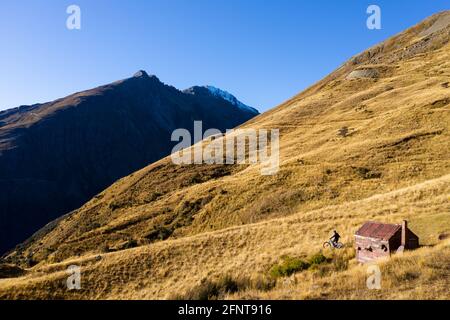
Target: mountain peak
x=141, y=74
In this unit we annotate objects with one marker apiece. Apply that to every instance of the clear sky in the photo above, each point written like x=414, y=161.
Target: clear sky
x=262, y=51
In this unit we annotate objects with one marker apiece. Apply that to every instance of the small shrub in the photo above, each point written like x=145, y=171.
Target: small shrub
x=263, y=283
x=131, y=243
x=114, y=206
x=104, y=248
x=30, y=262
x=291, y=265
x=367, y=174
x=288, y=267
x=343, y=132
x=443, y=236
x=194, y=179
x=219, y=172
x=154, y=196
x=210, y=290
x=408, y=276
x=159, y=233
x=120, y=204
x=229, y=285
x=96, y=225
x=206, y=290
x=317, y=259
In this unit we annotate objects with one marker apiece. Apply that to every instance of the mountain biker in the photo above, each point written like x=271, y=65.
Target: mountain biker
x=335, y=238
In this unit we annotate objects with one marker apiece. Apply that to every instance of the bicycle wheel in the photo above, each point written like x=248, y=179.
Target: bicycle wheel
x=326, y=244
x=339, y=245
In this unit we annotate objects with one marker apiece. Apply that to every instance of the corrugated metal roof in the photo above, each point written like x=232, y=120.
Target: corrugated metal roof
x=378, y=230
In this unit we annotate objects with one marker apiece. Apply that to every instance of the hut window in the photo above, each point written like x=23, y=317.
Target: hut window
x=359, y=248
x=369, y=249
x=384, y=248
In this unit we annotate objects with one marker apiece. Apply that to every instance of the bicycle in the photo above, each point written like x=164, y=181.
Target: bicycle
x=333, y=245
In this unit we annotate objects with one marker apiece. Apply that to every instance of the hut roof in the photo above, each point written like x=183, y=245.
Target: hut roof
x=382, y=231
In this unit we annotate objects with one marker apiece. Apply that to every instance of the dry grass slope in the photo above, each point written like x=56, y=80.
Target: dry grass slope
x=249, y=251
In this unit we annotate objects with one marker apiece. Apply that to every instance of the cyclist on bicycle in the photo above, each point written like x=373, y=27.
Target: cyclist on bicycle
x=335, y=238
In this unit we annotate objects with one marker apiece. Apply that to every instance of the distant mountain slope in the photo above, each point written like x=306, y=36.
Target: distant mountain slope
x=368, y=142
x=56, y=156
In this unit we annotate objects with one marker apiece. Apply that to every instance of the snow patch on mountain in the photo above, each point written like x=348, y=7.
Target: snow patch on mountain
x=230, y=98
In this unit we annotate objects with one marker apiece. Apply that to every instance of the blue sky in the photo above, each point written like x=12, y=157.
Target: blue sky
x=262, y=51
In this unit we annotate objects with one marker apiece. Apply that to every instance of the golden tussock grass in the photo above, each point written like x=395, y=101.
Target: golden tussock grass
x=351, y=150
